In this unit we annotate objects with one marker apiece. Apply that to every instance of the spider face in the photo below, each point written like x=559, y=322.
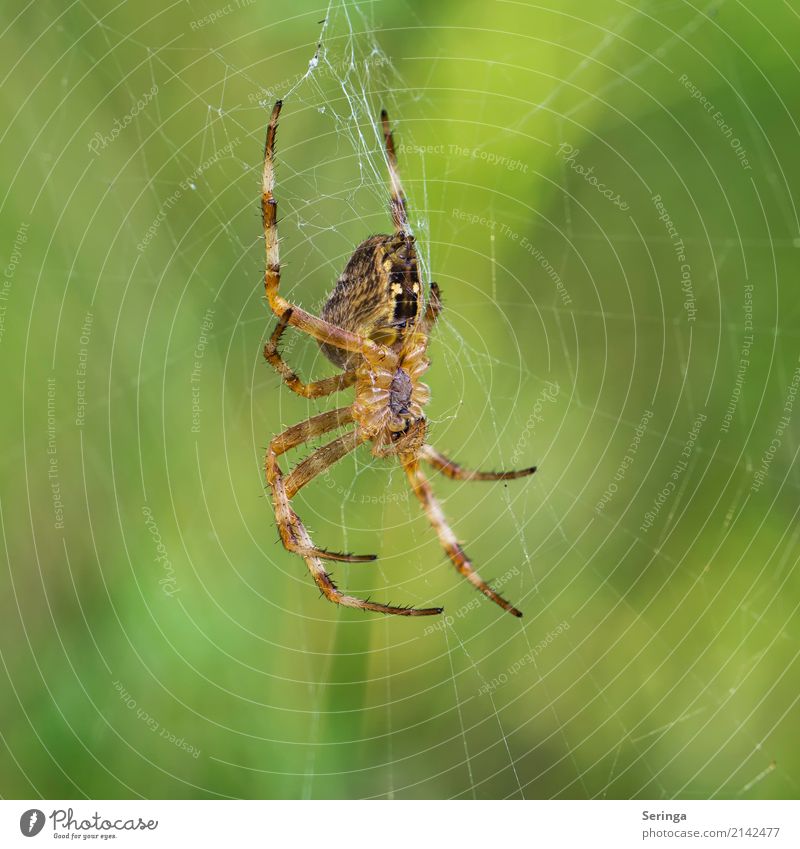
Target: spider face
x=407, y=441
x=375, y=326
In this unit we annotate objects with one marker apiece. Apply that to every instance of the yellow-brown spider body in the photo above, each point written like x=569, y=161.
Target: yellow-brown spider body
x=390, y=397
x=378, y=296
x=375, y=326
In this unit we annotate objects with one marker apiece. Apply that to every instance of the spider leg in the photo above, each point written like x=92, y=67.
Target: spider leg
x=291, y=438
x=293, y=532
x=321, y=330
x=318, y=388
x=447, y=538
x=432, y=308
x=459, y=473
x=398, y=202
x=315, y=426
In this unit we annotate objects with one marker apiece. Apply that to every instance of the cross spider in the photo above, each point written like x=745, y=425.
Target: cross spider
x=375, y=327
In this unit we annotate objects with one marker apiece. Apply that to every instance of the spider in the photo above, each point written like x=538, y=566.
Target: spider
x=374, y=327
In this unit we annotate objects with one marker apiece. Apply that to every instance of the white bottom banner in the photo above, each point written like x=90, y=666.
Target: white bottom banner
x=395, y=824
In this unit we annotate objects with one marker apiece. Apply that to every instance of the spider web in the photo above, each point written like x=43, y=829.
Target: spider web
x=654, y=660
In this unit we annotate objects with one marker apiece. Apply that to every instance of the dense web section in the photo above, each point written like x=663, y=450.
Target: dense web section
x=612, y=267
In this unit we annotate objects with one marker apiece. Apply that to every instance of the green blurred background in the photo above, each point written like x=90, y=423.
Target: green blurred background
x=157, y=640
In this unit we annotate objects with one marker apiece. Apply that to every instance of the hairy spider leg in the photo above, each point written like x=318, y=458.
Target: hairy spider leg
x=399, y=210
x=322, y=459
x=398, y=200
x=453, y=470
x=297, y=317
x=316, y=389
x=423, y=491
x=290, y=438
x=293, y=533
x=317, y=425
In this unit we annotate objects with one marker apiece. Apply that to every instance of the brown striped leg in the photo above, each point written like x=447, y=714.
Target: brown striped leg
x=423, y=491
x=318, y=388
x=398, y=201
x=459, y=473
x=315, y=426
x=291, y=438
x=293, y=533
x=322, y=459
x=299, y=318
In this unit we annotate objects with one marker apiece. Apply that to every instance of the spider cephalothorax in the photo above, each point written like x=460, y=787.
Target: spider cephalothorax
x=375, y=327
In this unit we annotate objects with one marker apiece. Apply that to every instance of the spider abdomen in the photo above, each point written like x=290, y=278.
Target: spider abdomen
x=377, y=295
